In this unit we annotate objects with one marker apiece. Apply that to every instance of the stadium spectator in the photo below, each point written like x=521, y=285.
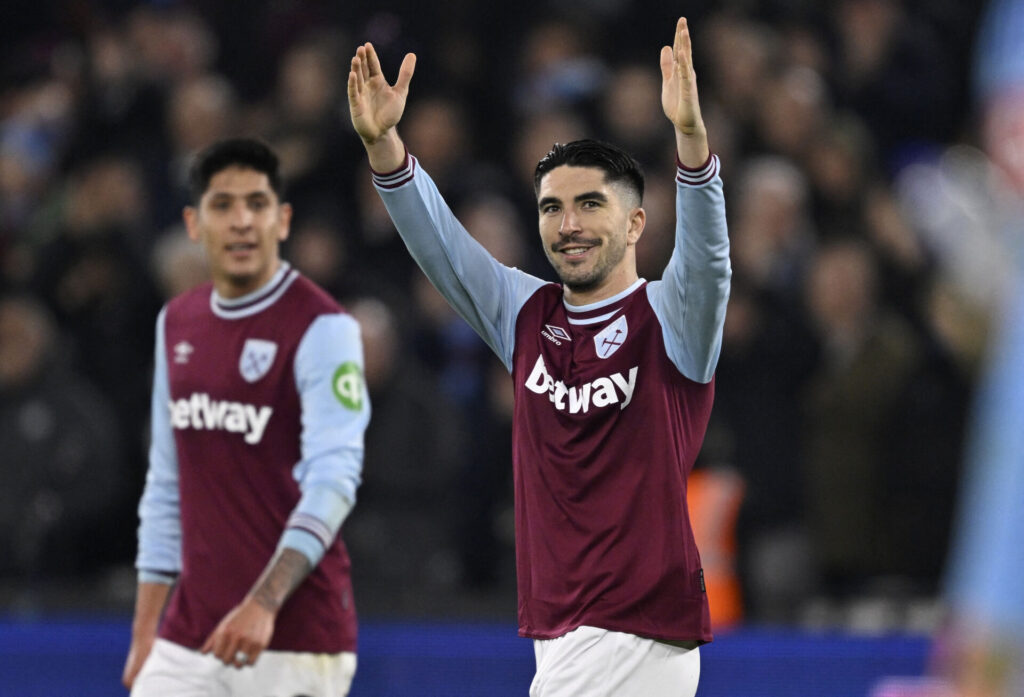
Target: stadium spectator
x=62, y=457
x=402, y=539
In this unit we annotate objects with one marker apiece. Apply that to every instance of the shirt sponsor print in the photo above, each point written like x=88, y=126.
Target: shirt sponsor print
x=202, y=413
x=614, y=389
x=348, y=385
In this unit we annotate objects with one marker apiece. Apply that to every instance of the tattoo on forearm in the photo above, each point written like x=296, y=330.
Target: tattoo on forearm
x=284, y=574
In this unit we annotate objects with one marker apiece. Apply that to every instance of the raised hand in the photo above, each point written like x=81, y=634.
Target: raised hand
x=376, y=107
x=679, y=97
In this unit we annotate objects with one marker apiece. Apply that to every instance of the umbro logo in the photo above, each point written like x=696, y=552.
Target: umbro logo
x=555, y=334
x=182, y=351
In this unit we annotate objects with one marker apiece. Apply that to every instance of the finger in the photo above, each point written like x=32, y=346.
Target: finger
x=254, y=654
x=228, y=653
x=364, y=68
x=353, y=90
x=677, y=39
x=405, y=72
x=685, y=49
x=353, y=77
x=666, y=63
x=240, y=658
x=373, y=61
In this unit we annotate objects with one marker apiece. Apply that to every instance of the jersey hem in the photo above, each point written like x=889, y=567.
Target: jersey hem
x=612, y=627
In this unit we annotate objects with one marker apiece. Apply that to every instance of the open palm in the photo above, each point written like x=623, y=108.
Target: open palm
x=376, y=106
x=679, y=82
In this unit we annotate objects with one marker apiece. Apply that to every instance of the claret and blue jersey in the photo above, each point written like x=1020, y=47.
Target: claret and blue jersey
x=258, y=419
x=612, y=402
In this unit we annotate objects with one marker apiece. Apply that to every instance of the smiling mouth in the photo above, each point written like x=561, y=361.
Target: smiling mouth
x=574, y=249
x=241, y=247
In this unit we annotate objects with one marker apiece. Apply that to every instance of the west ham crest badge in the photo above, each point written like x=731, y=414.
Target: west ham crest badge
x=608, y=340
x=256, y=359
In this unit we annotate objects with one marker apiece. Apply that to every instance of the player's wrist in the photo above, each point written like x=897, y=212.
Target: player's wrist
x=386, y=154
x=692, y=153
x=376, y=140
x=692, y=130
x=265, y=602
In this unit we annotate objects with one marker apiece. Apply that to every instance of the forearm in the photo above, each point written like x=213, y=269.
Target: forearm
x=150, y=600
x=387, y=153
x=286, y=570
x=692, y=146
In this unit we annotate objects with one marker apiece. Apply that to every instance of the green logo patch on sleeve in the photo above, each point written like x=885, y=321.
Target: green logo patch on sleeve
x=348, y=385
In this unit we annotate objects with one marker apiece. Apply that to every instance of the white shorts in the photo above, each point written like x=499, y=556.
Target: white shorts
x=597, y=663
x=174, y=671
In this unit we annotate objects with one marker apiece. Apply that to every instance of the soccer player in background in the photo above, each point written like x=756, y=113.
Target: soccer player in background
x=613, y=381
x=258, y=415
x=982, y=649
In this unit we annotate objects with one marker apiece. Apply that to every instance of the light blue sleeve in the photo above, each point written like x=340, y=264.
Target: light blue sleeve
x=691, y=298
x=484, y=292
x=986, y=573
x=335, y=413
x=159, y=554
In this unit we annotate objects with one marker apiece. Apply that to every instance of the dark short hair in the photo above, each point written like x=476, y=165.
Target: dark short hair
x=618, y=165
x=249, y=153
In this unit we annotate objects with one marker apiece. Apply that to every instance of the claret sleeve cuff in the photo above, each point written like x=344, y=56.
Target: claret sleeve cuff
x=699, y=176
x=396, y=178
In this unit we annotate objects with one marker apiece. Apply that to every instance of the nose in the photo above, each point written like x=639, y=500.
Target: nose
x=241, y=216
x=570, y=223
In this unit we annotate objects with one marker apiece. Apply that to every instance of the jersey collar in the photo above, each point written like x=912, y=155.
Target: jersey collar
x=601, y=310
x=256, y=301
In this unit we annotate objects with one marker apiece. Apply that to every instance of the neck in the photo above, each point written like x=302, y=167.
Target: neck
x=611, y=285
x=230, y=287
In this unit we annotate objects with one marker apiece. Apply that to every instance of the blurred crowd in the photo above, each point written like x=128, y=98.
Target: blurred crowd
x=867, y=269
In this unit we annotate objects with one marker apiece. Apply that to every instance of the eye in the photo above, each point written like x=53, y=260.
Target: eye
x=257, y=204
x=590, y=204
x=548, y=209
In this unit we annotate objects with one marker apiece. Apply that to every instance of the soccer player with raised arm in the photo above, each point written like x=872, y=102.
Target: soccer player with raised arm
x=613, y=381
x=258, y=417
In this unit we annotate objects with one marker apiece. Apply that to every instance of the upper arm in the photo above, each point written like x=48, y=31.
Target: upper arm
x=159, y=508
x=691, y=298
x=335, y=403
x=484, y=292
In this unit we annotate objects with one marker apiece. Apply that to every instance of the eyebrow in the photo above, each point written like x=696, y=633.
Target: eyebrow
x=585, y=196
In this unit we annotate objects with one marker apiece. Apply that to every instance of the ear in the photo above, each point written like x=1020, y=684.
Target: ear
x=637, y=221
x=286, y=222
x=191, y=217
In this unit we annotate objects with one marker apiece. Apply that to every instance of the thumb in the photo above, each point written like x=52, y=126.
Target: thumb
x=667, y=63
x=405, y=73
